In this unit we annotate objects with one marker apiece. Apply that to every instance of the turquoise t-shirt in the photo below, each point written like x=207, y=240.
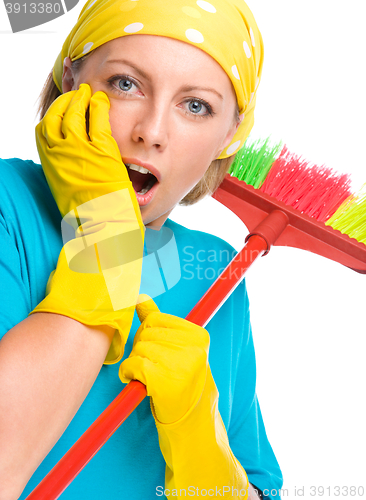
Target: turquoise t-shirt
x=176, y=272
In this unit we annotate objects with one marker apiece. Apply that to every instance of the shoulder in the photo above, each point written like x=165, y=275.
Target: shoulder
x=24, y=192
x=30, y=223
x=29, y=238
x=26, y=175
x=22, y=184
x=15, y=168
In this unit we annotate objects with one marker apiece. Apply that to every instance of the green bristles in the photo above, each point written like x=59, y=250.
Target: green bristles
x=253, y=162
x=350, y=218
x=292, y=180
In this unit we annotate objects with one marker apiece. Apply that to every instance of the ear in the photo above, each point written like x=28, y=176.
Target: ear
x=67, y=76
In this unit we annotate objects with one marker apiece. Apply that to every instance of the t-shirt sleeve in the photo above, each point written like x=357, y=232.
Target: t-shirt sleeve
x=246, y=432
x=14, y=295
x=30, y=239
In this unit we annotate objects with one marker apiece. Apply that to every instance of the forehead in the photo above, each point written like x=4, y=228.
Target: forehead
x=163, y=54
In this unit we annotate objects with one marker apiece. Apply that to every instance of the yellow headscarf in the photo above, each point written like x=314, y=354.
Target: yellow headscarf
x=225, y=29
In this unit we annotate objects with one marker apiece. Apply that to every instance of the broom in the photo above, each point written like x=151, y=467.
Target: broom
x=282, y=200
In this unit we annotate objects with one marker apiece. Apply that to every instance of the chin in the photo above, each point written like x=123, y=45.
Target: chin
x=154, y=220
x=147, y=216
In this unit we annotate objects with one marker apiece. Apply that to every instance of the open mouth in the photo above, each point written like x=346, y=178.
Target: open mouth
x=142, y=179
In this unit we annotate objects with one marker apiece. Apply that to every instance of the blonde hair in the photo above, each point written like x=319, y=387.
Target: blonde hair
x=214, y=175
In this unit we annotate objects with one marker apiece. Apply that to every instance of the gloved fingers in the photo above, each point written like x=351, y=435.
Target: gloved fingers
x=74, y=121
x=152, y=335
x=169, y=321
x=135, y=368
x=169, y=353
x=165, y=327
x=99, y=125
x=160, y=351
x=174, y=376
x=100, y=132
x=145, y=305
x=172, y=336
x=49, y=129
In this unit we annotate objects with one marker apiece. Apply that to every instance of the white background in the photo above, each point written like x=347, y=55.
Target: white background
x=308, y=313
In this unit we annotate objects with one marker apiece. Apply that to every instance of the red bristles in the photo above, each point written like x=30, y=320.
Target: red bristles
x=313, y=190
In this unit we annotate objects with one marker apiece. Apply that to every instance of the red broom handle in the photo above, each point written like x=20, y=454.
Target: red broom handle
x=62, y=474
x=226, y=283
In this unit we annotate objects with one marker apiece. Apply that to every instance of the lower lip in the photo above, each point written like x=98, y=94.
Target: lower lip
x=144, y=199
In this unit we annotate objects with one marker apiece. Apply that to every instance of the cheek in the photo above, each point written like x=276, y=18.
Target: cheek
x=188, y=170
x=120, y=123
x=200, y=146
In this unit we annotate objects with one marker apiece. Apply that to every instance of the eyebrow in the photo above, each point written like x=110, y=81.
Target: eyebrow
x=185, y=88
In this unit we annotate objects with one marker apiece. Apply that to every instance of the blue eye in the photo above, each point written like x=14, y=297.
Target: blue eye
x=125, y=84
x=199, y=108
x=195, y=106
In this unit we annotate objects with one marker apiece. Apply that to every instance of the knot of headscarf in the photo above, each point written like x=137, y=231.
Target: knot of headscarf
x=224, y=29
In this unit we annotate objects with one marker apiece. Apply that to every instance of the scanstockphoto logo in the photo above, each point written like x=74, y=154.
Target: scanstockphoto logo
x=116, y=248
x=27, y=14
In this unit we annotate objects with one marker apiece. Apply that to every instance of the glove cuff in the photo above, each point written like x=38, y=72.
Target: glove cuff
x=197, y=452
x=86, y=297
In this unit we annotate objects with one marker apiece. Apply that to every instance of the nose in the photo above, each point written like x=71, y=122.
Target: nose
x=151, y=127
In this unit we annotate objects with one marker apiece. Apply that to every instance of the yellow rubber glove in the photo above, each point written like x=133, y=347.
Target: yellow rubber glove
x=98, y=273
x=170, y=356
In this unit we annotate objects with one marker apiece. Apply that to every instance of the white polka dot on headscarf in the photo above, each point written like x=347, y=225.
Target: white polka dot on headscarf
x=247, y=50
x=235, y=71
x=194, y=36
x=87, y=47
x=206, y=6
x=133, y=28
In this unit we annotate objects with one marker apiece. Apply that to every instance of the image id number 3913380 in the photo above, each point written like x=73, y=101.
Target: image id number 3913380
x=337, y=491
x=33, y=8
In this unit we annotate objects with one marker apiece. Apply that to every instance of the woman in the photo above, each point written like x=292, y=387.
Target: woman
x=179, y=104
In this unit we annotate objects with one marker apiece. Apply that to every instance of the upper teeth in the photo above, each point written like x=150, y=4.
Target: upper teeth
x=138, y=168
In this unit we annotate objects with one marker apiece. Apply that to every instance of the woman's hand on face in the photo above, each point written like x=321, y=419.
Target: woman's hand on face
x=79, y=165
x=98, y=274
x=169, y=356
